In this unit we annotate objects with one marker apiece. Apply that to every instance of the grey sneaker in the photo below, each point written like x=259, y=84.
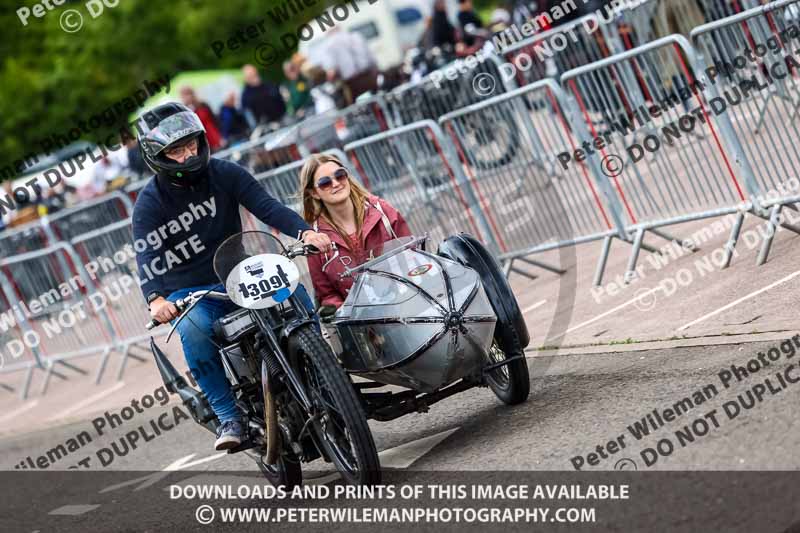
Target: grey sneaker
x=229, y=435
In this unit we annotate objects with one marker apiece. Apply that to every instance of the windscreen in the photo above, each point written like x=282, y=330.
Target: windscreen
x=243, y=246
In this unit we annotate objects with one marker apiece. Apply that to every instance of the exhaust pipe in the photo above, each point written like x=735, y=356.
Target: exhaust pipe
x=175, y=383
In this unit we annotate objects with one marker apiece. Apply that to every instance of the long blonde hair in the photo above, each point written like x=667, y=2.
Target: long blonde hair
x=314, y=209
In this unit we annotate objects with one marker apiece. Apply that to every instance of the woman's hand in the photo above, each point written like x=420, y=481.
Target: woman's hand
x=320, y=240
x=163, y=310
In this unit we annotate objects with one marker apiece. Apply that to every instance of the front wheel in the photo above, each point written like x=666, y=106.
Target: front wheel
x=340, y=425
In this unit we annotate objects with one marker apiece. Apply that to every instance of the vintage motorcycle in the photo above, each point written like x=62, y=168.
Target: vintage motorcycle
x=431, y=324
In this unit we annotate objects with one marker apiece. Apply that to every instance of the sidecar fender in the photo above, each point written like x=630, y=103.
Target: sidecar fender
x=511, y=331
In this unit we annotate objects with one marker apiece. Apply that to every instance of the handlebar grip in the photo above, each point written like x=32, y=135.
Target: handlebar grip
x=153, y=324
x=310, y=248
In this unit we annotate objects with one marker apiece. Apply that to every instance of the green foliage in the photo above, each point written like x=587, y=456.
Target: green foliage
x=51, y=78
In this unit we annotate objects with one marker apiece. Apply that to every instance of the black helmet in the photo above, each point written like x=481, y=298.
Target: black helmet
x=165, y=126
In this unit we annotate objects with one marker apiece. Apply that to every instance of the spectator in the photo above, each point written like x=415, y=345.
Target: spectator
x=320, y=88
x=261, y=100
x=297, y=85
x=103, y=174
x=467, y=16
x=135, y=160
x=345, y=56
x=233, y=125
x=207, y=118
x=443, y=34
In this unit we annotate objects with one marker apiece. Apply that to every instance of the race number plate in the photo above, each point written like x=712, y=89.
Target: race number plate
x=262, y=281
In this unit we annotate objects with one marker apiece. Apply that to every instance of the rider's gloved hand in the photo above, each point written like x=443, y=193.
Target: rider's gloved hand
x=326, y=312
x=320, y=240
x=163, y=310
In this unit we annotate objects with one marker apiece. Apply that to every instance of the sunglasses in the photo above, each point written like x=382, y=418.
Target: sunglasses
x=326, y=182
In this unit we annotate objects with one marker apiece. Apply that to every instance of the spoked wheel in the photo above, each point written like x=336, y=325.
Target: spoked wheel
x=511, y=383
x=341, y=425
x=492, y=145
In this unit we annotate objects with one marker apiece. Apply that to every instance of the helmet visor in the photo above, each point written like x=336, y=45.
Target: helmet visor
x=171, y=130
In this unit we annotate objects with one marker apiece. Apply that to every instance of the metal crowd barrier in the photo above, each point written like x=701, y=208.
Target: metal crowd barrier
x=60, y=314
x=531, y=202
x=98, y=212
x=127, y=312
x=765, y=120
x=416, y=169
x=437, y=94
x=669, y=157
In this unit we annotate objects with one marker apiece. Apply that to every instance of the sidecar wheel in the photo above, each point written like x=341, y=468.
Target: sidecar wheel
x=511, y=332
x=510, y=383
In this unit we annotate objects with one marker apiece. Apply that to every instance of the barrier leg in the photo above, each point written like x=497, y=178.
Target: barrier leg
x=670, y=238
x=102, y=367
x=27, y=386
x=771, y=227
x=637, y=246
x=125, y=355
x=730, y=246
x=601, y=263
x=48, y=374
x=544, y=266
x=74, y=368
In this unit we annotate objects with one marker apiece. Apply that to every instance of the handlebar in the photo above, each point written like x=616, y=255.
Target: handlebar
x=183, y=304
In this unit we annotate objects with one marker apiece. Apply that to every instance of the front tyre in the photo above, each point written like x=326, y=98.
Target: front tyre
x=341, y=426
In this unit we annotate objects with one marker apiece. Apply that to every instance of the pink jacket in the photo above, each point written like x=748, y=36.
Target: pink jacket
x=329, y=288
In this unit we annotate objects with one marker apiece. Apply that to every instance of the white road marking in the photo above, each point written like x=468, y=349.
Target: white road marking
x=612, y=311
x=534, y=306
x=405, y=455
x=73, y=510
x=88, y=401
x=740, y=300
x=155, y=477
x=10, y=416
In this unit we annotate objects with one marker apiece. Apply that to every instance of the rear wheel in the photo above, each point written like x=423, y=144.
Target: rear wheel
x=341, y=425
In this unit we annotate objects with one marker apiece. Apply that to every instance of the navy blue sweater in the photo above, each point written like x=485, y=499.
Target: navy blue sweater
x=177, y=230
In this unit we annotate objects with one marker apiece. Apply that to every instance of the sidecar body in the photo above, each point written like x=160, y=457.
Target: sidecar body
x=415, y=319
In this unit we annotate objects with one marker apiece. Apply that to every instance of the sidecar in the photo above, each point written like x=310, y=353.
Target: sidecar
x=435, y=324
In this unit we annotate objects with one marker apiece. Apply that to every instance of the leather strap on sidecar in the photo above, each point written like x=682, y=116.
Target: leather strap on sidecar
x=385, y=219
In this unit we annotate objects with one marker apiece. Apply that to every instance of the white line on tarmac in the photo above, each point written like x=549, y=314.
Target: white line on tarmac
x=87, y=401
x=534, y=306
x=740, y=300
x=17, y=412
x=73, y=510
x=612, y=311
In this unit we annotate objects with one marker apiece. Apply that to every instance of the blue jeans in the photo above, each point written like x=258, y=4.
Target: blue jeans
x=202, y=356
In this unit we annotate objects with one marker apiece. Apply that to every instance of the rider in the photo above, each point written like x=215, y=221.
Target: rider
x=177, y=261
x=337, y=206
